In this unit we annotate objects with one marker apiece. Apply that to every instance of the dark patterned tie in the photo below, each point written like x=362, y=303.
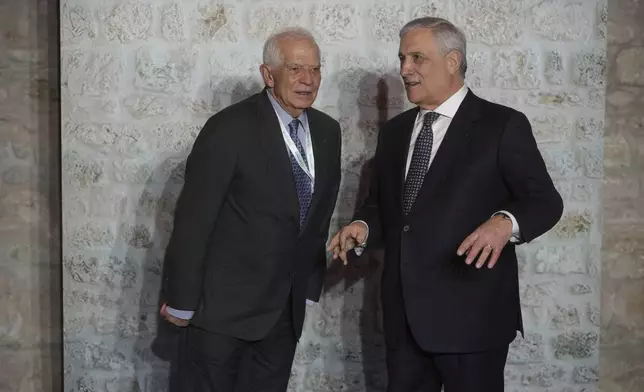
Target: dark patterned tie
x=419, y=161
x=302, y=180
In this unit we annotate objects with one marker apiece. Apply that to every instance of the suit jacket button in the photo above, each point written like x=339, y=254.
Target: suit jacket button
x=406, y=228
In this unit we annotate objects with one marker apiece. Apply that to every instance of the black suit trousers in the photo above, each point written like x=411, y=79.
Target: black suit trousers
x=211, y=362
x=410, y=369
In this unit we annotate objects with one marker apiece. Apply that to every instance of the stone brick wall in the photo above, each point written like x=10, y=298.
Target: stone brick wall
x=139, y=78
x=30, y=285
x=622, y=342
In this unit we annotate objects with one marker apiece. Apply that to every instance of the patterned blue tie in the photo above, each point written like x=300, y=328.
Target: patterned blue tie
x=419, y=161
x=302, y=180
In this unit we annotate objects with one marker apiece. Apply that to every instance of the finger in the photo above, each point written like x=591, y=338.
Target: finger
x=483, y=256
x=164, y=309
x=360, y=234
x=348, y=244
x=474, y=251
x=343, y=256
x=334, y=242
x=336, y=252
x=467, y=243
x=495, y=257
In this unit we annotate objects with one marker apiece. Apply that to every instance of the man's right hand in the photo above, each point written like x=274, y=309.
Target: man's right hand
x=346, y=239
x=173, y=320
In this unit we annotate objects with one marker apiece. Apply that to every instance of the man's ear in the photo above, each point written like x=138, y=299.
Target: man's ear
x=267, y=75
x=454, y=61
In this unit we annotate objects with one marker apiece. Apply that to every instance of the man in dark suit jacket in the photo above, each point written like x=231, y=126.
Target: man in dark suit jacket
x=248, y=246
x=455, y=178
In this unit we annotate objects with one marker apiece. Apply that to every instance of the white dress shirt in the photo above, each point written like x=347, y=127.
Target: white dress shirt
x=447, y=111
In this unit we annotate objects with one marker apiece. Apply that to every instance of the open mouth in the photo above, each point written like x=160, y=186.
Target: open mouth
x=411, y=84
x=303, y=93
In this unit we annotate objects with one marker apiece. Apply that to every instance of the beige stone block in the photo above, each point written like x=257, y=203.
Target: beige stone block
x=127, y=21
x=565, y=98
x=560, y=20
x=99, y=234
x=239, y=71
x=90, y=73
x=574, y=224
x=591, y=158
x=107, y=138
x=262, y=21
x=173, y=23
x=141, y=106
x=551, y=129
x=165, y=71
x=585, y=190
x=528, y=349
x=564, y=259
x=555, y=68
x=216, y=22
x=386, y=20
x=504, y=20
x=589, y=129
x=77, y=24
x=132, y=171
x=589, y=68
x=561, y=161
x=517, y=69
x=544, y=375
x=82, y=169
x=336, y=22
x=479, y=69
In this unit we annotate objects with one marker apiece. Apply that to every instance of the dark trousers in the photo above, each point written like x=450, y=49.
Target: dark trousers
x=211, y=362
x=410, y=369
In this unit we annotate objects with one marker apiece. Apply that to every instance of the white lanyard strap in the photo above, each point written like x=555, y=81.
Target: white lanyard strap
x=309, y=165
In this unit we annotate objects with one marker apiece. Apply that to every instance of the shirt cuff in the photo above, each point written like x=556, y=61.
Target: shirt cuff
x=310, y=303
x=360, y=247
x=516, y=234
x=180, y=314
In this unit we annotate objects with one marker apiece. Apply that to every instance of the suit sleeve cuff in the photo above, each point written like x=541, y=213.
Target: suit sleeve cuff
x=180, y=314
x=516, y=233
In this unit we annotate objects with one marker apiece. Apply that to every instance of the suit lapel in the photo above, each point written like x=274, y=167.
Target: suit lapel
x=318, y=140
x=278, y=160
x=400, y=146
x=449, y=152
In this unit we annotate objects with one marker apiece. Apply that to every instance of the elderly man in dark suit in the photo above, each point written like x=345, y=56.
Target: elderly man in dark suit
x=251, y=224
x=458, y=183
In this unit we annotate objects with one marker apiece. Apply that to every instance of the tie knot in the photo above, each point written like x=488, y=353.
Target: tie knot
x=292, y=128
x=430, y=118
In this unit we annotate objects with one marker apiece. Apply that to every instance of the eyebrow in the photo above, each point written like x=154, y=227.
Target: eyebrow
x=411, y=54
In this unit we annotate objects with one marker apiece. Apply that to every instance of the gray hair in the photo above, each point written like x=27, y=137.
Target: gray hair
x=272, y=54
x=448, y=36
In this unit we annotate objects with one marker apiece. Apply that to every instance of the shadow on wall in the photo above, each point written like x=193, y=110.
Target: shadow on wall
x=154, y=348
x=378, y=98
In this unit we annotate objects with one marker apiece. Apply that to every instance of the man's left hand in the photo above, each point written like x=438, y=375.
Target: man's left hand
x=173, y=320
x=486, y=241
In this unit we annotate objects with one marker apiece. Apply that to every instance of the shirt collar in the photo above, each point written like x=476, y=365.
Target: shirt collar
x=450, y=106
x=283, y=115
